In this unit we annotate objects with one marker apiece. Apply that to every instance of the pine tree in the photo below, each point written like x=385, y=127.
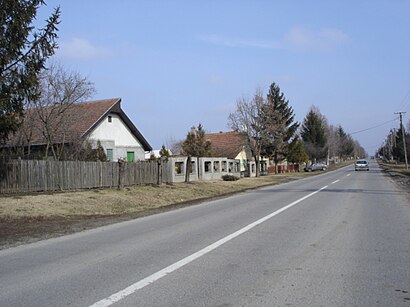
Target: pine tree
x=23, y=53
x=346, y=144
x=313, y=133
x=297, y=153
x=278, y=125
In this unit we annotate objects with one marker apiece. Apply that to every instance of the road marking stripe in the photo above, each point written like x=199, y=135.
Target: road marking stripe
x=336, y=181
x=177, y=265
x=348, y=175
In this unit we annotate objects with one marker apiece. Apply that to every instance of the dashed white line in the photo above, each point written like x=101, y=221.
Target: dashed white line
x=348, y=175
x=177, y=265
x=336, y=181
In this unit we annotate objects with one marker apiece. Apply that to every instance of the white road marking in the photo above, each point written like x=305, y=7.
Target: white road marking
x=336, y=181
x=348, y=175
x=177, y=265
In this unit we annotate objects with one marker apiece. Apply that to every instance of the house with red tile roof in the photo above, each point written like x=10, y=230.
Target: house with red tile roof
x=234, y=145
x=101, y=121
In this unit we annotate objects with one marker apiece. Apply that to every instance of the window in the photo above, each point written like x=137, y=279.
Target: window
x=193, y=167
x=109, y=154
x=179, y=168
x=109, y=118
x=224, y=166
x=230, y=167
x=216, y=166
x=207, y=166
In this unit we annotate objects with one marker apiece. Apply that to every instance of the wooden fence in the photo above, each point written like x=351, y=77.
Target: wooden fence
x=25, y=176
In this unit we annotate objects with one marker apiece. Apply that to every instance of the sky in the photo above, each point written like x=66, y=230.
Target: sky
x=178, y=63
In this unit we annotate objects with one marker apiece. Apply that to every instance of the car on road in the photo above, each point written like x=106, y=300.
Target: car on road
x=316, y=167
x=361, y=165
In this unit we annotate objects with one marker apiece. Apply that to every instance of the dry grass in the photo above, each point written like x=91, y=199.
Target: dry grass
x=126, y=201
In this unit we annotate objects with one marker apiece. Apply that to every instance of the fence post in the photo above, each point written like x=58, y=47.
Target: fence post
x=121, y=168
x=159, y=181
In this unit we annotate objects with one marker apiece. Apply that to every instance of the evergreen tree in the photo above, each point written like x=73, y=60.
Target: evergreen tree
x=313, y=133
x=297, y=153
x=195, y=144
x=23, y=53
x=346, y=144
x=164, y=152
x=100, y=152
x=278, y=125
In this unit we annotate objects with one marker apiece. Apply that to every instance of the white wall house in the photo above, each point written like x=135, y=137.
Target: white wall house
x=117, y=134
x=101, y=120
x=117, y=139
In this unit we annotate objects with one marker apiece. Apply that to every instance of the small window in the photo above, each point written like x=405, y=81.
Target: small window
x=230, y=167
x=207, y=166
x=109, y=154
x=192, y=170
x=216, y=166
x=224, y=166
x=109, y=118
x=179, y=168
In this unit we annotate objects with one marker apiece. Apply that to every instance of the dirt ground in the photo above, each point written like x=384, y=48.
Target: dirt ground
x=29, y=218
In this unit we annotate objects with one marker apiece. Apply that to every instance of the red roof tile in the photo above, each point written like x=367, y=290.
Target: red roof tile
x=226, y=144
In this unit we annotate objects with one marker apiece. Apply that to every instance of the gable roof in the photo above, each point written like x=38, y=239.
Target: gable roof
x=77, y=122
x=226, y=144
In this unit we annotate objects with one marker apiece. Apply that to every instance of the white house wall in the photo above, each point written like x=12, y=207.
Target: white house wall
x=117, y=136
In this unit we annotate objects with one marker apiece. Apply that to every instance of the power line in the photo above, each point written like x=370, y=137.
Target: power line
x=382, y=124
x=405, y=101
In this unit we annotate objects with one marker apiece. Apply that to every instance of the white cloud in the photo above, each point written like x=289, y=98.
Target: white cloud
x=325, y=39
x=297, y=38
x=80, y=48
x=237, y=42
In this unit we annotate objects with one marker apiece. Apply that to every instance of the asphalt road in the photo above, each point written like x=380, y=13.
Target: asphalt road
x=341, y=238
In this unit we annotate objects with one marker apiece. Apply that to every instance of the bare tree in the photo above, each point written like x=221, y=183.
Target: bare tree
x=333, y=141
x=247, y=120
x=60, y=89
x=175, y=146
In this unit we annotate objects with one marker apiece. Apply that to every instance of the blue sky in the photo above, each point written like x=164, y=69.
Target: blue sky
x=178, y=63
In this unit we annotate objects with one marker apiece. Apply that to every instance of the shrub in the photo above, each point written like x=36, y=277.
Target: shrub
x=229, y=178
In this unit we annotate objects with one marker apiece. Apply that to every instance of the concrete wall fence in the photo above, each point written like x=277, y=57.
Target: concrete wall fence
x=202, y=168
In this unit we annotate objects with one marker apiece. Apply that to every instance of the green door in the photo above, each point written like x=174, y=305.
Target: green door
x=130, y=156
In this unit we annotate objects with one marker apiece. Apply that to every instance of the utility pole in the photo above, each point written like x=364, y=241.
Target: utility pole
x=404, y=138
